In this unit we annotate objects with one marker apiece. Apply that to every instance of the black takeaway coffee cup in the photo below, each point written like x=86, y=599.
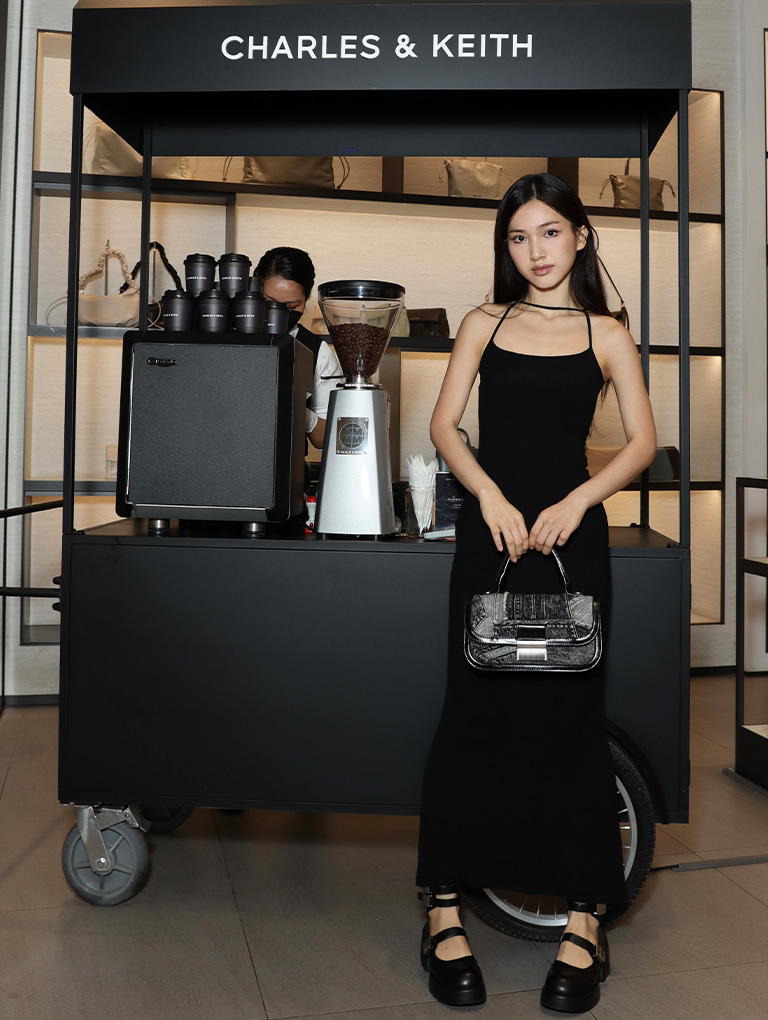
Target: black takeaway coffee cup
x=213, y=310
x=234, y=273
x=199, y=273
x=248, y=308
x=277, y=318
x=178, y=311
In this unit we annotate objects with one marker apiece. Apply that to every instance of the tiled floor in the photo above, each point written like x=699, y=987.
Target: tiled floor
x=258, y=914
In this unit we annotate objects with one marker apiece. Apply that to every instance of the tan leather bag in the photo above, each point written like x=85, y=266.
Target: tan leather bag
x=295, y=171
x=626, y=190
x=107, y=153
x=474, y=178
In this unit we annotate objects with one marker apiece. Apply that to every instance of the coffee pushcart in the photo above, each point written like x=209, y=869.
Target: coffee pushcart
x=189, y=674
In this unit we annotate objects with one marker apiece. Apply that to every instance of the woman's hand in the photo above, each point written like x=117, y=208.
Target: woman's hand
x=555, y=524
x=506, y=523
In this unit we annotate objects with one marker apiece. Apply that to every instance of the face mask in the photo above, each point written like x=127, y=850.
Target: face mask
x=293, y=318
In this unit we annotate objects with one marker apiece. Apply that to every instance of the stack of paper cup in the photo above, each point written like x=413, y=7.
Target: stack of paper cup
x=421, y=482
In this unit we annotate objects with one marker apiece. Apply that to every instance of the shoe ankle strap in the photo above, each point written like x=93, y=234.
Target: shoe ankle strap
x=595, y=951
x=429, y=896
x=583, y=908
x=446, y=933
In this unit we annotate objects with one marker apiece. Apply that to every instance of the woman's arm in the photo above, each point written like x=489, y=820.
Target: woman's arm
x=327, y=375
x=616, y=352
x=505, y=522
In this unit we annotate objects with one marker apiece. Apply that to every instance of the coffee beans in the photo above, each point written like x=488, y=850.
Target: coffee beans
x=359, y=347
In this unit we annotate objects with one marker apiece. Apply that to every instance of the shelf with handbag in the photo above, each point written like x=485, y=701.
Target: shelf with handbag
x=115, y=213
x=206, y=206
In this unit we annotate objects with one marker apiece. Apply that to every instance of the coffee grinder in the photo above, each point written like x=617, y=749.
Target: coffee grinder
x=355, y=492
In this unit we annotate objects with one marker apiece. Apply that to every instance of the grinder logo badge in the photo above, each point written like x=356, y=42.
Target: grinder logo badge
x=352, y=435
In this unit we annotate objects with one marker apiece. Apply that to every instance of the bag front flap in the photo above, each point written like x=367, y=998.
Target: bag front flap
x=507, y=617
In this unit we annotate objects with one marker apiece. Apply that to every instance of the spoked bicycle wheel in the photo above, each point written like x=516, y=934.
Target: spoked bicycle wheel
x=542, y=918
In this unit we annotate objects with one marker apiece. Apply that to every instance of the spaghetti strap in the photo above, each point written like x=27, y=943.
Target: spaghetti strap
x=498, y=324
x=554, y=308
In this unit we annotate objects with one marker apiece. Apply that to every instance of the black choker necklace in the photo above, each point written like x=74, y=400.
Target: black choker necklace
x=549, y=308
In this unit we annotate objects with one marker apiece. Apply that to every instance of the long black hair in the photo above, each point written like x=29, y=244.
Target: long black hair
x=290, y=263
x=585, y=283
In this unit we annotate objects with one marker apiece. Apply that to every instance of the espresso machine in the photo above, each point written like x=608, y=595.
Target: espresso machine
x=355, y=492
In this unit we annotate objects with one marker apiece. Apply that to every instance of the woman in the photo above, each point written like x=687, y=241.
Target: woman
x=518, y=789
x=289, y=277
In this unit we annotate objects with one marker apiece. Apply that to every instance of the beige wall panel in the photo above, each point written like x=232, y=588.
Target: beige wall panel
x=98, y=397
x=620, y=250
x=421, y=379
x=623, y=509
x=441, y=259
x=705, y=413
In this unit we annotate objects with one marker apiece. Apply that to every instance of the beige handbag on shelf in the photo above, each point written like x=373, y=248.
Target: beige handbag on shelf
x=121, y=309
x=106, y=152
x=474, y=178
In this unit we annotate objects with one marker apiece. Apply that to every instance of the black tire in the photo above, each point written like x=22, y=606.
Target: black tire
x=542, y=918
x=165, y=817
x=130, y=865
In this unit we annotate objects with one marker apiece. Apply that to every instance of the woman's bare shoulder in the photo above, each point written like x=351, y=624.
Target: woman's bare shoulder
x=609, y=330
x=477, y=326
x=482, y=320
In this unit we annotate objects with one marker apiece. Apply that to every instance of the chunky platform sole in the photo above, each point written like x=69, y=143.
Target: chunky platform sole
x=449, y=990
x=571, y=1003
x=452, y=997
x=555, y=994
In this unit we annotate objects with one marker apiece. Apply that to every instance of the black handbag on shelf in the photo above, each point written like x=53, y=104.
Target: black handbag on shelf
x=426, y=322
x=154, y=303
x=509, y=631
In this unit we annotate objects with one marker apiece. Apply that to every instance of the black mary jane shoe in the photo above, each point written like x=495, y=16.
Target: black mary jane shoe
x=570, y=989
x=452, y=982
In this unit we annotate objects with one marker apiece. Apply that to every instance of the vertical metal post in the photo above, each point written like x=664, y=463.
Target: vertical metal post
x=645, y=298
x=9, y=362
x=684, y=266
x=73, y=279
x=740, y=601
x=146, y=217
x=230, y=224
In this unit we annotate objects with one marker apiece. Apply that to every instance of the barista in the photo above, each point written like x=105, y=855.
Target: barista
x=289, y=276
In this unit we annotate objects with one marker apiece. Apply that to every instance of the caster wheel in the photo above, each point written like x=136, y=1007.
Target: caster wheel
x=164, y=817
x=130, y=864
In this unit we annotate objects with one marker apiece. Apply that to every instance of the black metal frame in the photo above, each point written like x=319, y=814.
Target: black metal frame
x=683, y=218
x=751, y=747
x=13, y=591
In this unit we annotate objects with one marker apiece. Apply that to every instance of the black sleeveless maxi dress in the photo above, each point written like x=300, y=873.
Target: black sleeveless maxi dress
x=519, y=791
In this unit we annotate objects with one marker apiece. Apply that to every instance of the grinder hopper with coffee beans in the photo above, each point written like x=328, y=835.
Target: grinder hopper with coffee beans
x=355, y=492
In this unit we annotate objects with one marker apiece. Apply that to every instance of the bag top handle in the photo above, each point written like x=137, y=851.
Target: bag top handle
x=154, y=246
x=553, y=554
x=108, y=252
